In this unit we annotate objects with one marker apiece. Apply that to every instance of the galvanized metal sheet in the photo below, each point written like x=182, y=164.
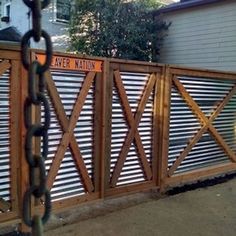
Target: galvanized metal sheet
x=184, y=124
x=5, y=183
x=134, y=84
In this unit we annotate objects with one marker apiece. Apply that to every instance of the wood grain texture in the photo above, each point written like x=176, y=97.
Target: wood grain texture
x=23, y=180
x=165, y=125
x=4, y=65
x=105, y=129
x=14, y=131
x=98, y=131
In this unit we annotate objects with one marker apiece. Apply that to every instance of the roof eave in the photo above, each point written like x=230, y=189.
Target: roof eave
x=185, y=5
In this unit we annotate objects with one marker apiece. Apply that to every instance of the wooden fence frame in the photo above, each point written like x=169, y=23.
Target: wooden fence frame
x=114, y=67
x=96, y=191
x=102, y=139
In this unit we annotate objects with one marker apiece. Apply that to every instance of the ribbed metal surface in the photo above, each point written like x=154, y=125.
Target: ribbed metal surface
x=134, y=84
x=4, y=137
x=207, y=93
x=68, y=182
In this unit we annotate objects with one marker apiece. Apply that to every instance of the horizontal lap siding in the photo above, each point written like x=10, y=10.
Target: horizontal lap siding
x=202, y=37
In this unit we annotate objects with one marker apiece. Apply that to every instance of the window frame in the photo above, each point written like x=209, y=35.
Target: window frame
x=5, y=10
x=60, y=20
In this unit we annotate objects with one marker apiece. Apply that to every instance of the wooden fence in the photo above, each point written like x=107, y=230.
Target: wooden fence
x=117, y=127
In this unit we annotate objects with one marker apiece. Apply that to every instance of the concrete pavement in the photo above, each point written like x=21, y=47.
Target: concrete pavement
x=209, y=211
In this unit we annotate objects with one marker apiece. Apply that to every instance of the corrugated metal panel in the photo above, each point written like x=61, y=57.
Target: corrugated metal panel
x=134, y=84
x=207, y=93
x=68, y=182
x=5, y=136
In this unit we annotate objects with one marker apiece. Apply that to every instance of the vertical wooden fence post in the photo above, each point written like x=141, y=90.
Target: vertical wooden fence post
x=107, y=105
x=103, y=125
x=14, y=131
x=23, y=180
x=156, y=120
x=157, y=127
x=165, y=103
x=98, y=133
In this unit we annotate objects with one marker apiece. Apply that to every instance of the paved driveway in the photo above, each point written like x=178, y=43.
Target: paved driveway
x=202, y=212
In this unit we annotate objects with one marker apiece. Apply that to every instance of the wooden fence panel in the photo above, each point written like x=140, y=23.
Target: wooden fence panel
x=133, y=106
x=9, y=134
x=201, y=128
x=73, y=164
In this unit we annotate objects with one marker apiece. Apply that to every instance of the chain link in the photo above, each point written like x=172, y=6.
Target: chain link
x=25, y=50
x=37, y=98
x=30, y=3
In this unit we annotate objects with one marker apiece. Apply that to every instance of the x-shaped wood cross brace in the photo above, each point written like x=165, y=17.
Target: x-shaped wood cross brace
x=133, y=123
x=68, y=126
x=207, y=125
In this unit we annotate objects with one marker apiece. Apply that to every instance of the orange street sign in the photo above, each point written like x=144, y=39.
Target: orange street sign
x=71, y=63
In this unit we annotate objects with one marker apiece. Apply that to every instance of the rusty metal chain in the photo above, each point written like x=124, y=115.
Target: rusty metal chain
x=37, y=98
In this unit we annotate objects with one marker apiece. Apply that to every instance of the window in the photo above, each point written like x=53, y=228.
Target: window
x=6, y=13
x=7, y=9
x=63, y=10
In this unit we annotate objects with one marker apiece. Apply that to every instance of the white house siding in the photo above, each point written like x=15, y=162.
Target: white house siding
x=58, y=31
x=19, y=19
x=202, y=37
x=18, y=15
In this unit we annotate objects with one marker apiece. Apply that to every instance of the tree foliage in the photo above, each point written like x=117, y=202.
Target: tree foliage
x=117, y=28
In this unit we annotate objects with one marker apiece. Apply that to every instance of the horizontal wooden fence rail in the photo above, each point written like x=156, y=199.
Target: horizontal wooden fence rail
x=117, y=127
